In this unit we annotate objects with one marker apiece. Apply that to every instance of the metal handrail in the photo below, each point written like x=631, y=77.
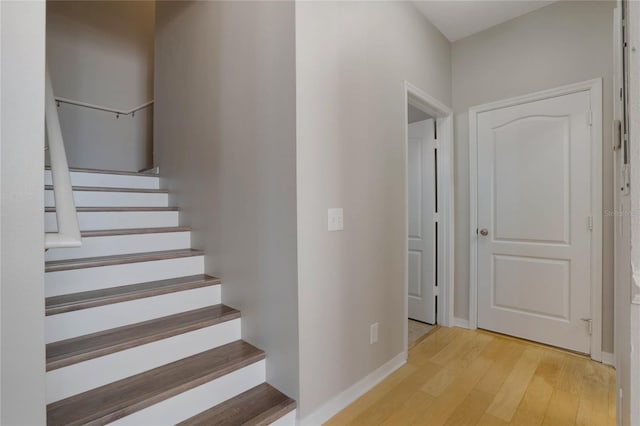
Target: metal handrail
x=68, y=234
x=117, y=112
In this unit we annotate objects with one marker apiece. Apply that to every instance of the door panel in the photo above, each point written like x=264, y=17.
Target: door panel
x=528, y=294
x=422, y=242
x=415, y=274
x=541, y=200
x=534, y=186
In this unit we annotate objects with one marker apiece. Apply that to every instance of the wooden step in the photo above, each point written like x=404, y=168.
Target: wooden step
x=117, y=209
x=132, y=231
x=109, y=172
x=119, y=259
x=71, y=351
x=123, y=397
x=112, y=189
x=90, y=299
x=261, y=405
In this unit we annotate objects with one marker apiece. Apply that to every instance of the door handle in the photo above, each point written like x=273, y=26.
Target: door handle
x=484, y=232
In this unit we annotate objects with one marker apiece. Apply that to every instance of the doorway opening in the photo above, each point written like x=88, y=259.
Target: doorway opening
x=429, y=206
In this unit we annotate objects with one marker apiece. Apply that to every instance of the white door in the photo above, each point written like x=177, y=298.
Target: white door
x=534, y=216
x=422, y=239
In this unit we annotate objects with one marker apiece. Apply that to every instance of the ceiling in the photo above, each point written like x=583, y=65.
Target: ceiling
x=457, y=19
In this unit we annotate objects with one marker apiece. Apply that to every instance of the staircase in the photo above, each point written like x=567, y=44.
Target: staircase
x=136, y=333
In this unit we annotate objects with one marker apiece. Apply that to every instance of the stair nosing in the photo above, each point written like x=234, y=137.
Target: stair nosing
x=77, y=356
x=148, y=399
x=117, y=209
x=94, y=299
x=82, y=188
x=265, y=417
x=270, y=416
x=133, y=231
x=120, y=259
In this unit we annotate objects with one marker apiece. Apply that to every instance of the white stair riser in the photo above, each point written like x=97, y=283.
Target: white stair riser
x=117, y=220
x=77, y=280
x=86, y=321
x=112, y=199
x=288, y=419
x=108, y=180
x=81, y=377
x=123, y=244
x=199, y=399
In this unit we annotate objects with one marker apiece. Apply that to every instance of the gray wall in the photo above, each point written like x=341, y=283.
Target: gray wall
x=101, y=52
x=352, y=58
x=414, y=114
x=563, y=43
x=225, y=142
x=22, y=47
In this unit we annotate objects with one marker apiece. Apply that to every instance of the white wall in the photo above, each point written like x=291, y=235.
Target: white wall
x=225, y=142
x=351, y=61
x=565, y=42
x=22, y=50
x=101, y=52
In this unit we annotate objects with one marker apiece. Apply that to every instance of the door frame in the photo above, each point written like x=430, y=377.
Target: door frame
x=594, y=87
x=445, y=244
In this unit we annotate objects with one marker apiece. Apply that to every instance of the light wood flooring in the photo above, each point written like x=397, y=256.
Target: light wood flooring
x=462, y=377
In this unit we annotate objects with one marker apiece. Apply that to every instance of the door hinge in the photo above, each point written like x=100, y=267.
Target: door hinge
x=436, y=290
x=589, y=323
x=590, y=223
x=436, y=217
x=589, y=117
x=617, y=135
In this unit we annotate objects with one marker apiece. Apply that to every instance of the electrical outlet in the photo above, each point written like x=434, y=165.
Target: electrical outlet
x=373, y=333
x=335, y=219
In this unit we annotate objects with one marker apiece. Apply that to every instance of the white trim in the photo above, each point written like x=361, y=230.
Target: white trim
x=444, y=117
x=461, y=322
x=473, y=220
x=346, y=397
x=635, y=293
x=609, y=359
x=594, y=87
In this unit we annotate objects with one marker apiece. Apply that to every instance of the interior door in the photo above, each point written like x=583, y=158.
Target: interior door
x=534, y=215
x=422, y=241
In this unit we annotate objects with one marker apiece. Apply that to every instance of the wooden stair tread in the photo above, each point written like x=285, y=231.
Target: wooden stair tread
x=132, y=231
x=261, y=405
x=123, y=397
x=119, y=259
x=90, y=299
x=109, y=172
x=117, y=209
x=112, y=189
x=71, y=351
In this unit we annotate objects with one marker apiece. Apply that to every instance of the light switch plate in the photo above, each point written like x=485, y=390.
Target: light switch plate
x=335, y=219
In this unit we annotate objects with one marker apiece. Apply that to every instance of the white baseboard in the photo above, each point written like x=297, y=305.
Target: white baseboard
x=609, y=359
x=461, y=322
x=336, y=404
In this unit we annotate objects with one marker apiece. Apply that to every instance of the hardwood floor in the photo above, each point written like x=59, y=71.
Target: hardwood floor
x=462, y=377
